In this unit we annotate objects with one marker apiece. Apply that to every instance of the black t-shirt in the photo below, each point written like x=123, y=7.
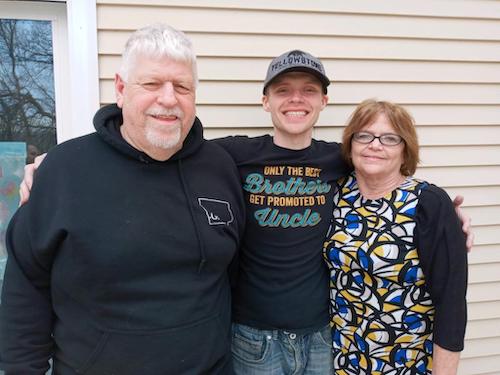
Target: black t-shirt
x=283, y=281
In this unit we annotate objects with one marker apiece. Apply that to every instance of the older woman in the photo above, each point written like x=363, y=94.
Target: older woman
x=396, y=254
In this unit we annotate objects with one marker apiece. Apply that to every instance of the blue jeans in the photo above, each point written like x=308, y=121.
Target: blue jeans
x=263, y=352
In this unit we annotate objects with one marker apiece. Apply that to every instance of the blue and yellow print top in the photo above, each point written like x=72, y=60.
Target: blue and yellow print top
x=381, y=313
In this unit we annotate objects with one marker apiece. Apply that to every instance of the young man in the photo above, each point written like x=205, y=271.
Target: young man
x=280, y=302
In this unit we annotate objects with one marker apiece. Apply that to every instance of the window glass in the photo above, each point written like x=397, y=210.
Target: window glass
x=27, y=112
x=27, y=107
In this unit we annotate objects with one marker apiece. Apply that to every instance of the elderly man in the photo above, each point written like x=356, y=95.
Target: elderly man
x=118, y=263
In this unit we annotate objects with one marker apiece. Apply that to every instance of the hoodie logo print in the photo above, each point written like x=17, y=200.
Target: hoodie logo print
x=218, y=212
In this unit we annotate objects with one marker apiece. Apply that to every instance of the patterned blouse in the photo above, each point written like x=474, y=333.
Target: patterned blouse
x=384, y=289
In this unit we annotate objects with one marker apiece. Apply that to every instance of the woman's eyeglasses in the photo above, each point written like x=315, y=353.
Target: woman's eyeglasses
x=386, y=139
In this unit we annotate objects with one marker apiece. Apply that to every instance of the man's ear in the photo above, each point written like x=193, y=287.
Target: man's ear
x=265, y=103
x=324, y=102
x=119, y=89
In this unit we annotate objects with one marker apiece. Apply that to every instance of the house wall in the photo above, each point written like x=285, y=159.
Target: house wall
x=441, y=59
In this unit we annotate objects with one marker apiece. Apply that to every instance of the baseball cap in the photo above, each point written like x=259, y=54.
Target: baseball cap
x=296, y=61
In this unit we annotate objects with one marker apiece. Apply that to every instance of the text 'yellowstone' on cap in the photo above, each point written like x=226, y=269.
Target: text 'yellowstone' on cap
x=296, y=61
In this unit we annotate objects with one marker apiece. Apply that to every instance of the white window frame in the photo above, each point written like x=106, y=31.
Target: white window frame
x=76, y=77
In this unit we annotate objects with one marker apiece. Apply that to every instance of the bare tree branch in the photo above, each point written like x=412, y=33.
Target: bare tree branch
x=27, y=100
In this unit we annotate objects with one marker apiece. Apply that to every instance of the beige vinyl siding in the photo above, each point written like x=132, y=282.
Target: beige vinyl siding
x=441, y=59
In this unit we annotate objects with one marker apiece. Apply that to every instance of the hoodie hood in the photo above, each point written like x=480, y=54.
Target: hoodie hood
x=107, y=122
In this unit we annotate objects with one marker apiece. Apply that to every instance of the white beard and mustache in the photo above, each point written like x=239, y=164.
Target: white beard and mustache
x=155, y=133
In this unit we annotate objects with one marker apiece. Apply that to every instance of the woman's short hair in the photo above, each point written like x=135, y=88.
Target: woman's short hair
x=404, y=125
x=158, y=40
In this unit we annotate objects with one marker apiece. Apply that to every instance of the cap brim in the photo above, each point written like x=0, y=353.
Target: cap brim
x=325, y=82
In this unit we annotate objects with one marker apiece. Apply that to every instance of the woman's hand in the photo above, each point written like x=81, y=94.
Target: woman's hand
x=444, y=362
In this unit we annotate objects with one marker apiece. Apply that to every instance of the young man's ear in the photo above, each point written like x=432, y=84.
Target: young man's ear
x=119, y=88
x=265, y=103
x=324, y=101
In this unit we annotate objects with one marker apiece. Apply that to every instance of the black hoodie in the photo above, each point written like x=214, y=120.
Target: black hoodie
x=118, y=263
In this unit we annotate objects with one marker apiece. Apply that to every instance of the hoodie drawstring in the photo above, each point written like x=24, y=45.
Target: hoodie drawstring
x=188, y=194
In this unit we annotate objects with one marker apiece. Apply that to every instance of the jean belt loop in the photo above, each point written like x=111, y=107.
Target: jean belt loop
x=275, y=334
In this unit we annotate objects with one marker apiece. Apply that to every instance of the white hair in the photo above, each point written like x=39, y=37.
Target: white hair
x=158, y=41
